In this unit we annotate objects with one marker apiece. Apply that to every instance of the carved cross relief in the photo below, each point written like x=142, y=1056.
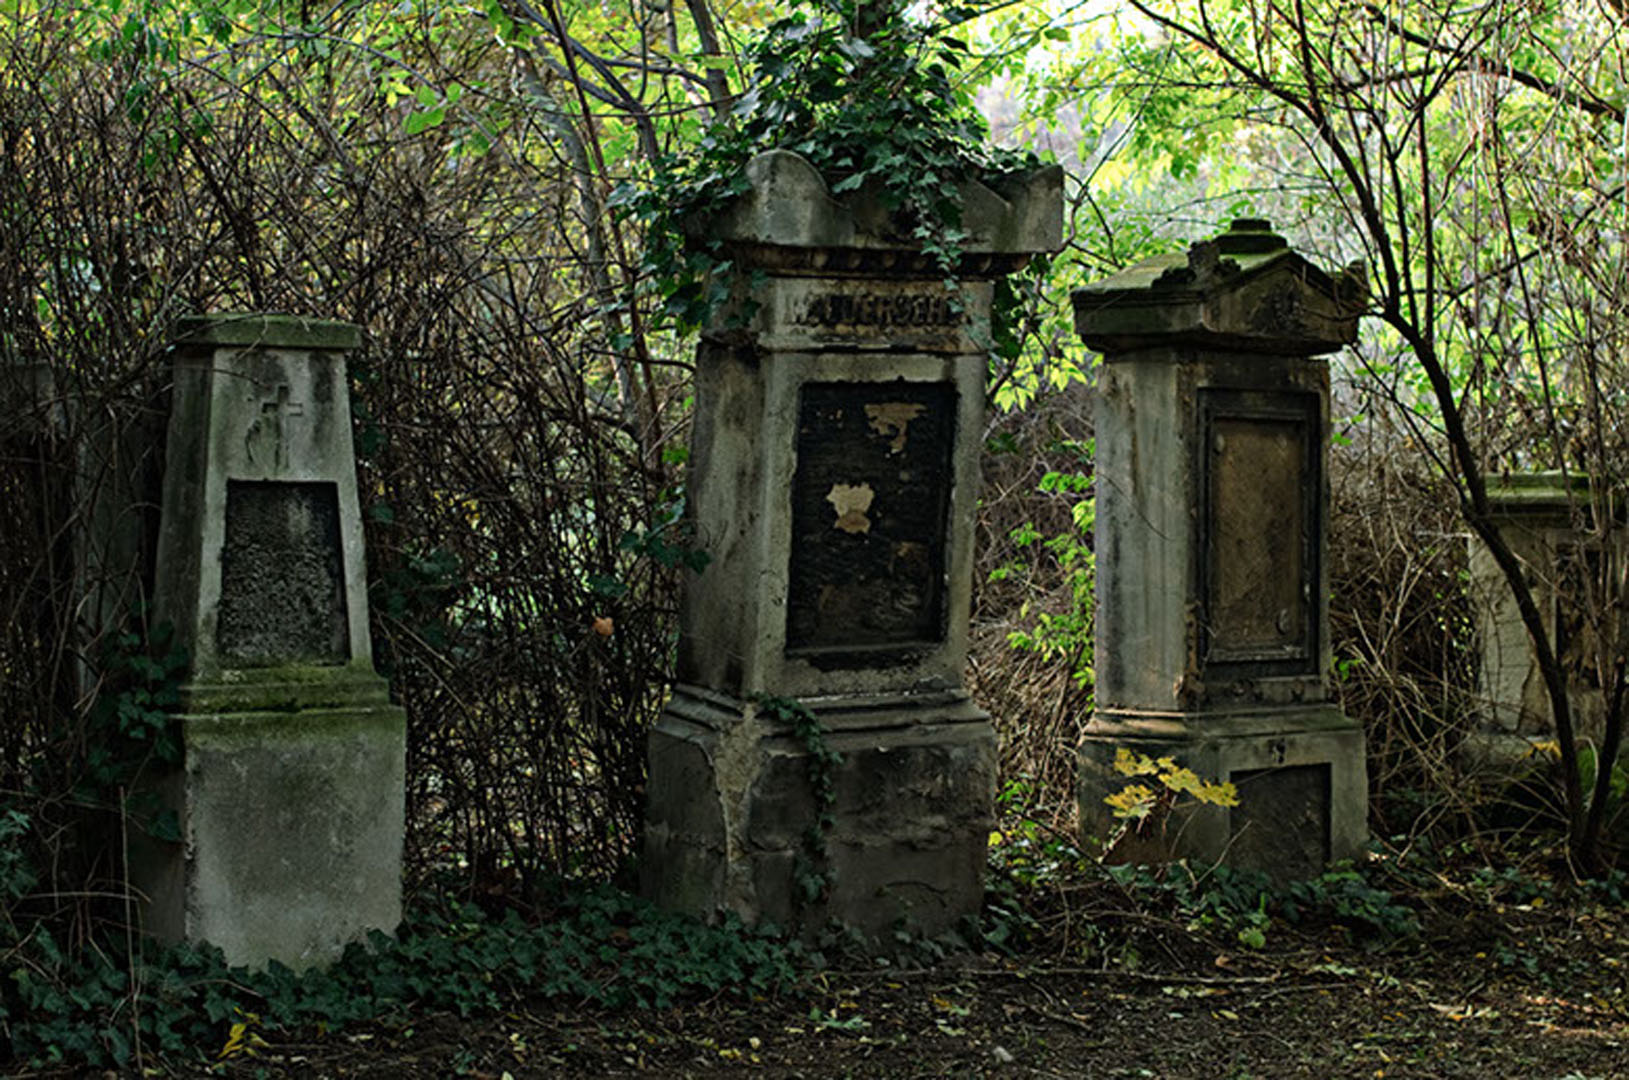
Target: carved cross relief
x=266, y=442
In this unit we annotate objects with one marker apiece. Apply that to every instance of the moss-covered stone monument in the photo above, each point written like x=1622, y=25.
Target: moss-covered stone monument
x=1212, y=636
x=290, y=799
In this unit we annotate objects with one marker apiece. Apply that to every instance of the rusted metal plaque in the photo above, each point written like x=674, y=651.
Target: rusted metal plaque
x=1260, y=528
x=869, y=502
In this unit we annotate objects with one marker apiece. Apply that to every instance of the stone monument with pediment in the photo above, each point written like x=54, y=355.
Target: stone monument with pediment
x=290, y=800
x=1212, y=633
x=839, y=410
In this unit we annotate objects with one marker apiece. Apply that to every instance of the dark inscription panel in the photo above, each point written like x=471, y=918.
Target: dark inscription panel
x=1282, y=821
x=869, y=503
x=282, y=576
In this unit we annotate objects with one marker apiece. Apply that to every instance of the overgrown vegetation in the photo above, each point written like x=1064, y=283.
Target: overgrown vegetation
x=497, y=194
x=596, y=946
x=870, y=96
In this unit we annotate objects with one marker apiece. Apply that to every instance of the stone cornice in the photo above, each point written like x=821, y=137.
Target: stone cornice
x=790, y=221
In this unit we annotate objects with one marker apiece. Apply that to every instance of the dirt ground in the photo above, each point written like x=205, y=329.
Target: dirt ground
x=1498, y=991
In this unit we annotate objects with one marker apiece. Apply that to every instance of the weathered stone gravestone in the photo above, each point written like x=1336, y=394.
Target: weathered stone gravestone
x=30, y=406
x=1212, y=637
x=291, y=796
x=1547, y=520
x=833, y=484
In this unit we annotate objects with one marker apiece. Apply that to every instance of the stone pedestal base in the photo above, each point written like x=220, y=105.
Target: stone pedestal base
x=732, y=809
x=1303, y=788
x=1504, y=756
x=291, y=821
x=1498, y=759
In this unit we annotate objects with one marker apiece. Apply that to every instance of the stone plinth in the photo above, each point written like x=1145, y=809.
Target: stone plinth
x=1212, y=634
x=834, y=466
x=291, y=796
x=1547, y=519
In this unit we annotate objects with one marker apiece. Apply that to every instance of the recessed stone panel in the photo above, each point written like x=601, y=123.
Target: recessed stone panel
x=1259, y=528
x=282, y=576
x=1282, y=821
x=869, y=500
x=1256, y=485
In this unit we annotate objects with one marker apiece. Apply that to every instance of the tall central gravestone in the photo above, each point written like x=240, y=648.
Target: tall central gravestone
x=1212, y=641
x=839, y=410
x=290, y=798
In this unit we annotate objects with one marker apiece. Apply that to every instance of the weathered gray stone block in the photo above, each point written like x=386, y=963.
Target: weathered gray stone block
x=31, y=406
x=293, y=834
x=1303, y=791
x=1212, y=574
x=789, y=205
x=291, y=797
x=731, y=817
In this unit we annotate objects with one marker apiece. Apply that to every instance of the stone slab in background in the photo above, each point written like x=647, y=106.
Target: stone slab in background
x=1549, y=522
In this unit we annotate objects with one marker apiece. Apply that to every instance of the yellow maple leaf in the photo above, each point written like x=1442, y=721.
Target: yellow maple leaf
x=1132, y=801
x=1130, y=763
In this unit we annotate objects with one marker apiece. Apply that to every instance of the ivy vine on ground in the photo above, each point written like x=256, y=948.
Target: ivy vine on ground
x=67, y=1008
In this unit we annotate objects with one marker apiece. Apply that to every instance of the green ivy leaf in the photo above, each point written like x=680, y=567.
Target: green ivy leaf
x=420, y=122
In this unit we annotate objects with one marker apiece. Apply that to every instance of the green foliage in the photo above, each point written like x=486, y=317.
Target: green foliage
x=1617, y=794
x=131, y=729
x=883, y=109
x=1611, y=887
x=598, y=945
x=17, y=875
x=1244, y=902
x=1030, y=861
x=670, y=540
x=1025, y=849
x=1063, y=636
x=813, y=870
x=1025, y=854
x=1348, y=898
x=419, y=592
x=130, y=723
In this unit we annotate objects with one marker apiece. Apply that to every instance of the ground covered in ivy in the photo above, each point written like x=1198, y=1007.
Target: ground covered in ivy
x=1094, y=972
